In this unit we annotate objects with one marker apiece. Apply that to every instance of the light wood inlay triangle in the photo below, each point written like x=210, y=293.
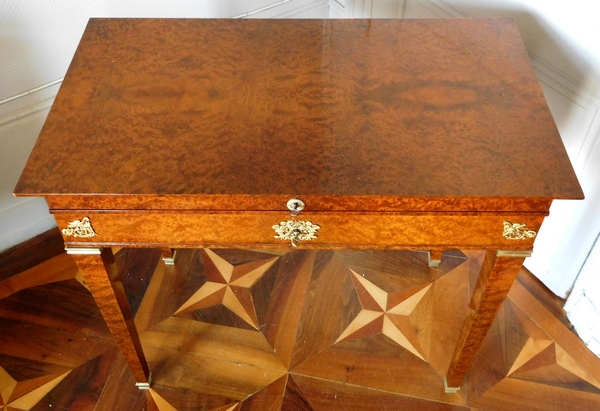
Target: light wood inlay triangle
x=160, y=402
x=532, y=348
x=244, y=310
x=568, y=363
x=247, y=275
x=225, y=269
x=401, y=331
x=30, y=399
x=379, y=295
x=407, y=306
x=228, y=407
x=208, y=295
x=7, y=385
x=58, y=268
x=363, y=320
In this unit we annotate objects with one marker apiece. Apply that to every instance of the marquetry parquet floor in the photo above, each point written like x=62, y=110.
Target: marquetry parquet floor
x=278, y=329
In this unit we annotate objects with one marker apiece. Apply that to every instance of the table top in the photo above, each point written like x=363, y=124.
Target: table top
x=331, y=108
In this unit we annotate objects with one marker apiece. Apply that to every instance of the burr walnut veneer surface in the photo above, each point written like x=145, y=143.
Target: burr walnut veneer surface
x=320, y=108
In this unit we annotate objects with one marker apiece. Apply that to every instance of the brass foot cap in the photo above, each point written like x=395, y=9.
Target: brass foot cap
x=144, y=385
x=450, y=390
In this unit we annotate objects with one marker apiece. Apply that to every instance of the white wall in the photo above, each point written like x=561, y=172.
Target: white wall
x=38, y=40
x=583, y=306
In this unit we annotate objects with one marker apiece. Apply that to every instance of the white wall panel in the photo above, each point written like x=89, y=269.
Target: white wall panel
x=365, y=9
x=20, y=218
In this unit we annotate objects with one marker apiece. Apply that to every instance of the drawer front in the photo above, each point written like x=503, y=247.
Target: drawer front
x=336, y=230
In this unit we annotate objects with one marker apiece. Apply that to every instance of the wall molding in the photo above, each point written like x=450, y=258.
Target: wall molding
x=27, y=105
x=337, y=8
x=292, y=8
x=365, y=9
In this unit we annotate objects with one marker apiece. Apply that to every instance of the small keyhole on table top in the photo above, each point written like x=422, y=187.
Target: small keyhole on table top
x=295, y=206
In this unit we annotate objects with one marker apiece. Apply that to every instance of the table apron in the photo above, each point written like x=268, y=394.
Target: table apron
x=337, y=230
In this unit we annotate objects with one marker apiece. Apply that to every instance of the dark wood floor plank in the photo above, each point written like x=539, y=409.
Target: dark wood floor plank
x=170, y=288
x=31, y=253
x=120, y=392
x=213, y=341
x=400, y=373
x=439, y=315
x=136, y=267
x=66, y=305
x=332, y=396
x=529, y=361
x=330, y=305
x=294, y=399
x=178, y=369
x=555, y=329
x=531, y=396
x=21, y=369
x=81, y=389
x=540, y=292
x=50, y=345
x=58, y=268
x=169, y=398
x=269, y=398
x=287, y=301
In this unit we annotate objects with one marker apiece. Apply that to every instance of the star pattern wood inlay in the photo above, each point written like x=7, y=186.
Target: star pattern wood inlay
x=385, y=313
x=228, y=285
x=24, y=395
x=212, y=360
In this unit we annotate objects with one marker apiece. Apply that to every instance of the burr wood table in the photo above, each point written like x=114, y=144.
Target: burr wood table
x=317, y=134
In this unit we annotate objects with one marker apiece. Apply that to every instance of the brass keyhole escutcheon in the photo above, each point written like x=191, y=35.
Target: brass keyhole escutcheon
x=296, y=231
x=296, y=237
x=295, y=206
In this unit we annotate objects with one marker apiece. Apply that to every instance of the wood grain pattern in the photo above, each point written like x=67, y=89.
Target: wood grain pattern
x=528, y=360
x=180, y=118
x=103, y=279
x=542, y=293
x=542, y=316
x=120, y=391
x=90, y=378
x=287, y=303
x=335, y=396
x=31, y=253
x=136, y=267
x=61, y=305
x=55, y=269
x=338, y=230
x=495, y=279
x=244, y=202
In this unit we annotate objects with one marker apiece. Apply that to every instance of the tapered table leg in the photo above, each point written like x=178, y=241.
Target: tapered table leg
x=104, y=281
x=498, y=272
